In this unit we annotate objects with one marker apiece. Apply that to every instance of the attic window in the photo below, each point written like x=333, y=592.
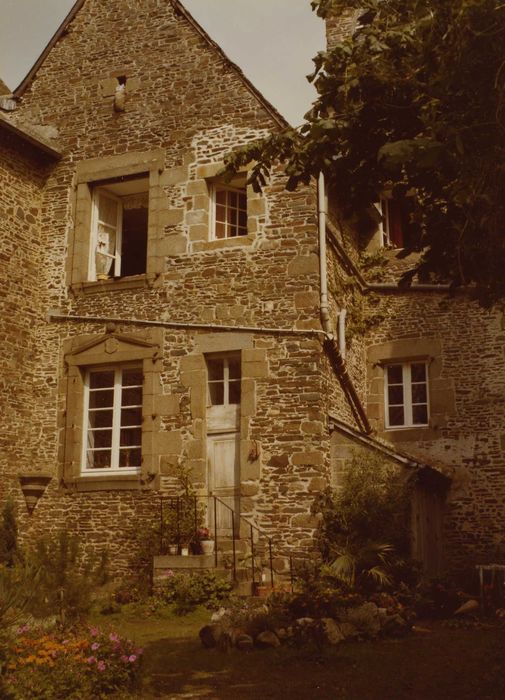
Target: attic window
x=119, y=227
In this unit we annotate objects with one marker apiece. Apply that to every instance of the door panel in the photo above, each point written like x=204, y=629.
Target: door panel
x=223, y=459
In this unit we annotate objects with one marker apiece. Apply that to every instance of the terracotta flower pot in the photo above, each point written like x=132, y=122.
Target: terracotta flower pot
x=207, y=546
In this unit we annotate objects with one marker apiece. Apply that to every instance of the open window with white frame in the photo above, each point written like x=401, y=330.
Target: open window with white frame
x=112, y=416
x=228, y=209
x=406, y=395
x=119, y=227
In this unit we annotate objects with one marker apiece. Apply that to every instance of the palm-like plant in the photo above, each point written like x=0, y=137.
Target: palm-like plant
x=361, y=565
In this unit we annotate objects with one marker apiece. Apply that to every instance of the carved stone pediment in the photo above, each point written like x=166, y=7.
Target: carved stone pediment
x=112, y=347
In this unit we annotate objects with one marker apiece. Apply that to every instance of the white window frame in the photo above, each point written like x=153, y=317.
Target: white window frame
x=114, y=469
x=215, y=186
x=116, y=256
x=407, y=395
x=227, y=358
x=383, y=207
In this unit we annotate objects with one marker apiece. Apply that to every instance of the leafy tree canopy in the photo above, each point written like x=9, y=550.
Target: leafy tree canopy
x=413, y=99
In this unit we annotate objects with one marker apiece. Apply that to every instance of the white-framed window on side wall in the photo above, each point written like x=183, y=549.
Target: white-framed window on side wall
x=228, y=210
x=112, y=427
x=119, y=224
x=224, y=379
x=406, y=394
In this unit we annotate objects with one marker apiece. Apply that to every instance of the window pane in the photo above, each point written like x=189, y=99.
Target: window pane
x=134, y=242
x=234, y=391
x=220, y=230
x=132, y=377
x=100, y=419
x=130, y=436
x=130, y=457
x=101, y=398
x=396, y=415
x=131, y=416
x=100, y=380
x=242, y=201
x=420, y=415
x=100, y=438
x=395, y=374
x=232, y=202
x=418, y=372
x=242, y=219
x=220, y=213
x=216, y=393
x=395, y=394
x=98, y=460
x=107, y=210
x=234, y=368
x=221, y=197
x=215, y=369
x=131, y=397
x=419, y=393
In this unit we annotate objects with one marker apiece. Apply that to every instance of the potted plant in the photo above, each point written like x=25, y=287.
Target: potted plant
x=206, y=540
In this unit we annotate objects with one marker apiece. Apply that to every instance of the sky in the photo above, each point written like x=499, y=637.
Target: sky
x=273, y=41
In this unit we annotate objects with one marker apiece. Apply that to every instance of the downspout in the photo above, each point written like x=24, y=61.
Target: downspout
x=322, y=204
x=331, y=348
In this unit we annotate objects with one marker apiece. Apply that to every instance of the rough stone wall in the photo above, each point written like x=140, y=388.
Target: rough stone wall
x=181, y=98
x=465, y=438
x=21, y=177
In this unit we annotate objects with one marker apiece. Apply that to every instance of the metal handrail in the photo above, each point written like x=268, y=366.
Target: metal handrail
x=194, y=499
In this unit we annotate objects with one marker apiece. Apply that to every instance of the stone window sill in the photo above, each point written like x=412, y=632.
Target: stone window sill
x=130, y=482
x=113, y=285
x=224, y=243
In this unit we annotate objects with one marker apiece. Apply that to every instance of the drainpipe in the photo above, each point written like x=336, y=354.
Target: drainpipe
x=322, y=205
x=341, y=332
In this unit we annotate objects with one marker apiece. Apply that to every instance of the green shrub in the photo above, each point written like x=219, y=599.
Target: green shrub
x=364, y=531
x=186, y=592
x=65, y=585
x=8, y=534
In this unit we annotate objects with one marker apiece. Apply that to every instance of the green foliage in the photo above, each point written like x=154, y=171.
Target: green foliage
x=186, y=592
x=365, y=524
x=17, y=589
x=65, y=584
x=413, y=99
x=8, y=534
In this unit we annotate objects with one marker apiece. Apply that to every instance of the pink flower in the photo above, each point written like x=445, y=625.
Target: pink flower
x=113, y=637
x=91, y=660
x=132, y=659
x=94, y=631
x=23, y=629
x=101, y=666
x=95, y=646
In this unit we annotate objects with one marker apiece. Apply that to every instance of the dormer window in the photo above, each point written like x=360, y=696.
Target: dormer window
x=119, y=228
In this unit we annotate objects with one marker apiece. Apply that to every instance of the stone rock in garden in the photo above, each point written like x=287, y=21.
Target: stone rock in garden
x=332, y=631
x=395, y=626
x=244, y=642
x=267, y=639
x=210, y=635
x=366, y=619
x=282, y=633
x=471, y=606
x=218, y=615
x=348, y=630
x=235, y=633
x=305, y=621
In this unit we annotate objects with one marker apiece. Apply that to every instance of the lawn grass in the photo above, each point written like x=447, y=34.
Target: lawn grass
x=444, y=664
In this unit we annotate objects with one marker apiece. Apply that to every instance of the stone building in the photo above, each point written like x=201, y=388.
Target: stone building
x=153, y=315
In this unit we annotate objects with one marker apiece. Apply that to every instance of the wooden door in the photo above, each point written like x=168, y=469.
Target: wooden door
x=223, y=451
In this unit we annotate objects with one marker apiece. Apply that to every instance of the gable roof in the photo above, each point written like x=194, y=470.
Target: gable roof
x=181, y=11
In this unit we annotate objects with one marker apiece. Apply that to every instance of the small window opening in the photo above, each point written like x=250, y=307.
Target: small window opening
x=224, y=379
x=122, y=79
